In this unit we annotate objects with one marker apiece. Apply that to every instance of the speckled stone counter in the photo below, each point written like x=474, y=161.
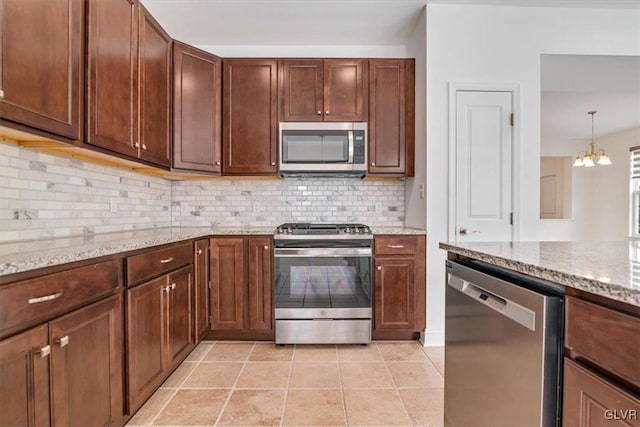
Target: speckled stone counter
x=398, y=230
x=30, y=255
x=608, y=269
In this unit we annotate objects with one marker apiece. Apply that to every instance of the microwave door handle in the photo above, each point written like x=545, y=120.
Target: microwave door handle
x=350, y=137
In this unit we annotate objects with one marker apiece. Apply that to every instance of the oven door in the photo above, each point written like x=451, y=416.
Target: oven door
x=322, y=283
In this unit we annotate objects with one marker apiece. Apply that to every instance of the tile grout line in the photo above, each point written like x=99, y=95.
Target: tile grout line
x=395, y=385
x=286, y=393
x=344, y=399
x=233, y=387
x=175, y=391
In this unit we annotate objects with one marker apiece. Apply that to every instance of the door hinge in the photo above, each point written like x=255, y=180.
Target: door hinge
x=511, y=218
x=511, y=119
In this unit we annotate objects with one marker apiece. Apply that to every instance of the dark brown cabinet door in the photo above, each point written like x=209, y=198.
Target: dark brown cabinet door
x=180, y=316
x=227, y=283
x=86, y=365
x=201, y=291
x=24, y=379
x=112, y=61
x=260, y=283
x=196, y=109
x=146, y=339
x=250, y=116
x=343, y=90
x=154, y=50
x=391, y=117
x=591, y=401
x=394, y=293
x=41, y=68
x=302, y=90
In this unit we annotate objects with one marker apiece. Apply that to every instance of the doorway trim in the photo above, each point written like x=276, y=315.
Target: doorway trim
x=516, y=163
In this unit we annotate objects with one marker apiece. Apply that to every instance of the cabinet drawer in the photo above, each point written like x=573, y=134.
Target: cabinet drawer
x=608, y=338
x=44, y=297
x=392, y=245
x=154, y=263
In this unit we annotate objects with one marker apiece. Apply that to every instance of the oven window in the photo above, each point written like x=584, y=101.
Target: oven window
x=317, y=282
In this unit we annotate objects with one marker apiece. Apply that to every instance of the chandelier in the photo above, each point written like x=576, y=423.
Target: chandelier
x=590, y=157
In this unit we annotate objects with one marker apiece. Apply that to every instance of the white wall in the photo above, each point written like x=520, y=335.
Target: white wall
x=498, y=44
x=416, y=208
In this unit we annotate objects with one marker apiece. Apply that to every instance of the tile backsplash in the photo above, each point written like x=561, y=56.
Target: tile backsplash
x=43, y=196
x=272, y=202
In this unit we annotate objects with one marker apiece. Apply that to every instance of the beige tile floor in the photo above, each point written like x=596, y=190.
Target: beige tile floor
x=260, y=384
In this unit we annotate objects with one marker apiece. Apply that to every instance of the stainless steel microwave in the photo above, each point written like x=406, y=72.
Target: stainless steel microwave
x=323, y=149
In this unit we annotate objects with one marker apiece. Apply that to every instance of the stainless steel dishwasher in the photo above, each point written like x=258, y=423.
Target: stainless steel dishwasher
x=503, y=348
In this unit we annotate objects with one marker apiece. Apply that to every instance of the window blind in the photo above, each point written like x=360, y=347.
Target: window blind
x=635, y=161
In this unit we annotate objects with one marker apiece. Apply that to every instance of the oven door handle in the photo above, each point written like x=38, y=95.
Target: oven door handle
x=323, y=252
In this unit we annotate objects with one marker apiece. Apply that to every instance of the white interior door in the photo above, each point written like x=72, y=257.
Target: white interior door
x=483, y=166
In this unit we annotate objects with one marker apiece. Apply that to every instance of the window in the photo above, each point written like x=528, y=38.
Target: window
x=634, y=214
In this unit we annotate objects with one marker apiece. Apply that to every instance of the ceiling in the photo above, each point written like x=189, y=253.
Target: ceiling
x=572, y=85
x=315, y=22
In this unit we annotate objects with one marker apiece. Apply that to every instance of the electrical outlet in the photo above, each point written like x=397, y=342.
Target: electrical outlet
x=421, y=190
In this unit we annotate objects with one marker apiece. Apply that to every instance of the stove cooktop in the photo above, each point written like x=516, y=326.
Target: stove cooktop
x=301, y=229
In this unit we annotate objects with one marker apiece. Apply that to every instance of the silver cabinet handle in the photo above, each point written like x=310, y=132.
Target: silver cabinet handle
x=379, y=268
x=395, y=246
x=266, y=248
x=46, y=297
x=136, y=144
x=327, y=112
x=199, y=251
x=166, y=288
x=319, y=113
x=373, y=164
x=44, y=351
x=166, y=260
x=464, y=231
x=273, y=163
x=1, y=94
x=173, y=285
x=144, y=146
x=63, y=341
x=217, y=163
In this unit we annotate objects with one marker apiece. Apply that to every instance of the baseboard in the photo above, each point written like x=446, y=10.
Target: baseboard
x=432, y=338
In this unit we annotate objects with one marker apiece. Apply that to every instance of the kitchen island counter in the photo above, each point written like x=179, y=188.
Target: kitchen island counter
x=607, y=269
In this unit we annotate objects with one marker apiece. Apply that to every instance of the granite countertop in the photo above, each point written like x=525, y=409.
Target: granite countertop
x=608, y=269
x=398, y=230
x=17, y=257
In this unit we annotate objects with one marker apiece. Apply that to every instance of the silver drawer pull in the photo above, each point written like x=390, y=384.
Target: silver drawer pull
x=199, y=251
x=265, y=247
x=173, y=285
x=46, y=297
x=379, y=268
x=166, y=260
x=395, y=246
x=63, y=341
x=44, y=351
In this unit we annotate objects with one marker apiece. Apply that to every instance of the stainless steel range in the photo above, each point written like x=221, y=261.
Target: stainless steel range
x=323, y=283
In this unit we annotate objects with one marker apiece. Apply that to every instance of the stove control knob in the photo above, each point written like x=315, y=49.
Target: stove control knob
x=289, y=230
x=347, y=230
x=279, y=230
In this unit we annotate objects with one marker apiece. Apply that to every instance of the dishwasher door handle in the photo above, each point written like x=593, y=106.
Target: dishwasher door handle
x=507, y=308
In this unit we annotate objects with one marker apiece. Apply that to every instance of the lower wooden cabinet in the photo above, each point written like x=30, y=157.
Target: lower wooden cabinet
x=399, y=287
x=70, y=368
x=241, y=286
x=159, y=332
x=590, y=400
x=201, y=288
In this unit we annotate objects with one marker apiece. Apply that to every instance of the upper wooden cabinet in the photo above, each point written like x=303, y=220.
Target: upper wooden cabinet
x=196, y=109
x=41, y=71
x=391, y=116
x=324, y=90
x=154, y=91
x=128, y=101
x=250, y=116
